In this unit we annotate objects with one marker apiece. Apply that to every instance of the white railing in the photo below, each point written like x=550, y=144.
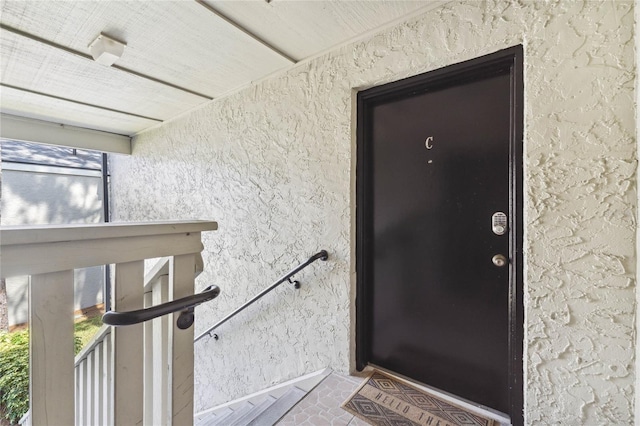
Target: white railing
x=94, y=391
x=113, y=380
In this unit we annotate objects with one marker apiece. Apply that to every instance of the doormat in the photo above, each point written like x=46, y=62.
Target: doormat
x=383, y=400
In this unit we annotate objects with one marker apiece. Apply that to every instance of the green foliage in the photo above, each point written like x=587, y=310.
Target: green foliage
x=14, y=374
x=14, y=366
x=85, y=330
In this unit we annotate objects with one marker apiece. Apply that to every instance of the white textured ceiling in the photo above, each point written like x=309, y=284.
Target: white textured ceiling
x=179, y=54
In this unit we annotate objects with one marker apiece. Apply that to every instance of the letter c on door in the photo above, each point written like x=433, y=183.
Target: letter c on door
x=428, y=142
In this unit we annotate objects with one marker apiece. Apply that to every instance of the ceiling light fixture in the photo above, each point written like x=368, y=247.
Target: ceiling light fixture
x=105, y=50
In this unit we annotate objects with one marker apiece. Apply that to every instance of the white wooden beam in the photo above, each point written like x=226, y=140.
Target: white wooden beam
x=157, y=351
x=48, y=257
x=35, y=234
x=51, y=358
x=32, y=130
x=41, y=249
x=98, y=387
x=149, y=356
x=107, y=382
x=81, y=392
x=182, y=278
x=128, y=346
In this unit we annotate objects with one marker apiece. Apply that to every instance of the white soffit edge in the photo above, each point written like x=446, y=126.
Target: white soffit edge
x=38, y=107
x=30, y=130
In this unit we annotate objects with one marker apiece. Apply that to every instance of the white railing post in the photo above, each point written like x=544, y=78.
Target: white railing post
x=157, y=349
x=128, y=346
x=98, y=394
x=148, y=364
x=107, y=382
x=182, y=278
x=51, y=378
x=79, y=393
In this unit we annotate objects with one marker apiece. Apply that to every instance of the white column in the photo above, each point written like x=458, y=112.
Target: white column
x=128, y=347
x=149, y=380
x=107, y=381
x=51, y=354
x=181, y=277
x=98, y=394
x=162, y=331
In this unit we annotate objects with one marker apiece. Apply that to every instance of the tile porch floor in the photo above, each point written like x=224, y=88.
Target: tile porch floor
x=321, y=406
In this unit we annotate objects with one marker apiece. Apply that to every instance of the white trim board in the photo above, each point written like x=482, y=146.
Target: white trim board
x=32, y=130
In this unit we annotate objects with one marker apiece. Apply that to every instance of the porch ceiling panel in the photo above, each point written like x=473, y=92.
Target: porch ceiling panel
x=180, y=42
x=30, y=105
x=305, y=28
x=179, y=53
x=30, y=64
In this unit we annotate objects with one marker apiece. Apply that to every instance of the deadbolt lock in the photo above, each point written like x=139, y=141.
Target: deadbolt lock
x=499, y=260
x=499, y=223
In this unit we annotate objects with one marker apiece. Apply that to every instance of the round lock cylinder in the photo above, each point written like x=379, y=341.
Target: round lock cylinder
x=499, y=260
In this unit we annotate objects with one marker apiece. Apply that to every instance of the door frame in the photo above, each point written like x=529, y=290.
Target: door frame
x=512, y=59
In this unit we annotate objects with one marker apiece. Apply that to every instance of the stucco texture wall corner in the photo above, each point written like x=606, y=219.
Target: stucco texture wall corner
x=272, y=164
x=580, y=77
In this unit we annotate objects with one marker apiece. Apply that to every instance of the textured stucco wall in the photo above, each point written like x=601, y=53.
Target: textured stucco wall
x=274, y=164
x=637, y=98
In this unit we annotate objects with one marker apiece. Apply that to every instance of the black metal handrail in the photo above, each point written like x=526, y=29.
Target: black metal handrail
x=185, y=304
x=323, y=255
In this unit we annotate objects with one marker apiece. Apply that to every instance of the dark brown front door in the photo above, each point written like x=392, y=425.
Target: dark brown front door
x=439, y=155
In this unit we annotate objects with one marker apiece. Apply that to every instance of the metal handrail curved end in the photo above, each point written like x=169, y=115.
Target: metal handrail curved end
x=184, y=305
x=322, y=255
